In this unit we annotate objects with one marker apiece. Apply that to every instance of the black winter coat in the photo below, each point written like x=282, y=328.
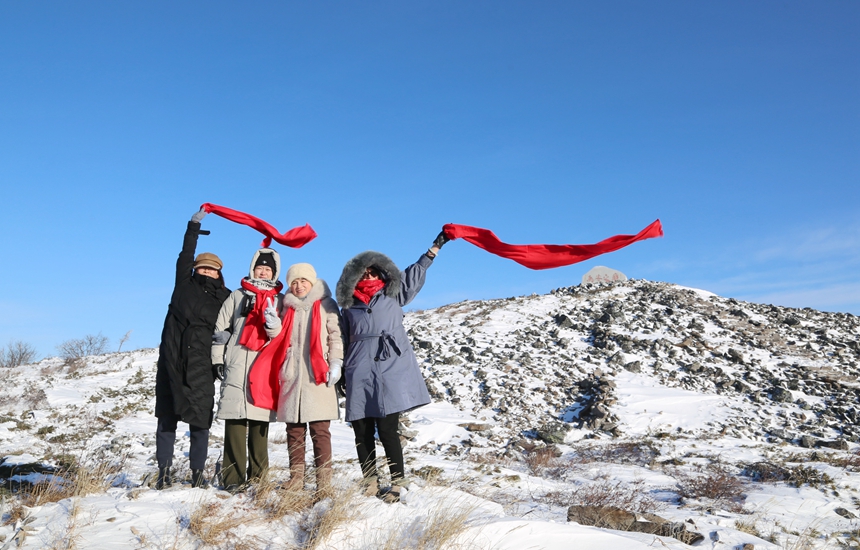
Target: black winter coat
x=185, y=383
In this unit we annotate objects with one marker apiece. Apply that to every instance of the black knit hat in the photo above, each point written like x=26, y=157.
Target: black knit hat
x=267, y=259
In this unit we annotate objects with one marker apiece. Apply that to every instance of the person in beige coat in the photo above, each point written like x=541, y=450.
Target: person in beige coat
x=240, y=334
x=307, y=400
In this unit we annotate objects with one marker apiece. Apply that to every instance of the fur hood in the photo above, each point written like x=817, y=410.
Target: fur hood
x=273, y=252
x=354, y=269
x=319, y=291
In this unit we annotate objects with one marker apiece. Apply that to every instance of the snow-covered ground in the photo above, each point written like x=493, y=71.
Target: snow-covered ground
x=649, y=388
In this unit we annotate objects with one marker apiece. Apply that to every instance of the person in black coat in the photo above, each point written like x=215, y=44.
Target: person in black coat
x=185, y=380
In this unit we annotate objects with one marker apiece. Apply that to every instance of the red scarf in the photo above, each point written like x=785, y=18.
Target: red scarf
x=366, y=288
x=254, y=334
x=264, y=380
x=296, y=237
x=546, y=256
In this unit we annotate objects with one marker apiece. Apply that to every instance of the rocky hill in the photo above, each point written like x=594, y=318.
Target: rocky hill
x=526, y=363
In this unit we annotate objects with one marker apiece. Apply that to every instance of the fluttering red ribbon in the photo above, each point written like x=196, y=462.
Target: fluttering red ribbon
x=296, y=237
x=546, y=256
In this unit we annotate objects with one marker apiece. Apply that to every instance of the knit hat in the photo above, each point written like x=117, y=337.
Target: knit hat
x=207, y=259
x=301, y=271
x=266, y=259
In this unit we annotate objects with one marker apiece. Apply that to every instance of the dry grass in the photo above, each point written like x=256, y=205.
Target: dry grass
x=212, y=524
x=276, y=500
x=439, y=529
x=633, y=497
x=69, y=538
x=72, y=480
x=328, y=516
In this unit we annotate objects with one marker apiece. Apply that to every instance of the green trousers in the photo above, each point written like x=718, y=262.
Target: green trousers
x=239, y=466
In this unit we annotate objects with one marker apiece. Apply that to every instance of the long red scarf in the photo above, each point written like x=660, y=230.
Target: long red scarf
x=263, y=379
x=366, y=288
x=296, y=237
x=254, y=334
x=546, y=256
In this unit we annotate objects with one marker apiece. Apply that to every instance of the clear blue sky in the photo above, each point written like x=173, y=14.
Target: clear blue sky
x=735, y=123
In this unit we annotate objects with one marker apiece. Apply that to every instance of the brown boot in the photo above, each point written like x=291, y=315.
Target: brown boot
x=297, y=478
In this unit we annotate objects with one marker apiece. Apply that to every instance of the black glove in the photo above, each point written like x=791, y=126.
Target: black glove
x=218, y=370
x=441, y=239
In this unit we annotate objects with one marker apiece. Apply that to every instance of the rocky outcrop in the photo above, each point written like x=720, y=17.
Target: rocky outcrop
x=608, y=517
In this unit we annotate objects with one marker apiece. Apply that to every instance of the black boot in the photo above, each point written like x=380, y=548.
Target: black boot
x=164, y=479
x=197, y=479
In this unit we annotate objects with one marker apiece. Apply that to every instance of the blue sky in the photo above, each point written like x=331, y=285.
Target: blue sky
x=735, y=123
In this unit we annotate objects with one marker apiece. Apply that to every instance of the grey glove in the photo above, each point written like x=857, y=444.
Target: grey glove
x=198, y=216
x=334, y=369
x=441, y=239
x=271, y=314
x=218, y=370
x=221, y=337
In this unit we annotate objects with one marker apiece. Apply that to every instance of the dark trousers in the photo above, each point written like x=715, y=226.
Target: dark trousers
x=165, y=439
x=240, y=466
x=365, y=445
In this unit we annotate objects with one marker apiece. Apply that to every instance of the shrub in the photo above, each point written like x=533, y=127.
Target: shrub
x=633, y=497
x=17, y=353
x=77, y=348
x=716, y=483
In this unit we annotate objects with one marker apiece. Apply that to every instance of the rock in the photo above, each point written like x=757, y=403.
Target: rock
x=748, y=546
x=808, y=442
x=781, y=395
x=553, y=432
x=634, y=366
x=609, y=517
x=839, y=444
x=845, y=513
x=476, y=426
x=735, y=356
x=563, y=321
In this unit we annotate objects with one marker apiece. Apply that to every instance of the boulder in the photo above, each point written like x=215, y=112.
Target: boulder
x=610, y=517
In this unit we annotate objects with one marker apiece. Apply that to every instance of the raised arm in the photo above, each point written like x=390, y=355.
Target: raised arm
x=185, y=262
x=412, y=278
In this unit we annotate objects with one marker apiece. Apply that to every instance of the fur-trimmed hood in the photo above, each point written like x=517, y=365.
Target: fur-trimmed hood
x=319, y=291
x=354, y=269
x=273, y=252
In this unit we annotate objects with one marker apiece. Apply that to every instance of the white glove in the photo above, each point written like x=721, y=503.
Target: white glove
x=199, y=216
x=271, y=314
x=334, y=369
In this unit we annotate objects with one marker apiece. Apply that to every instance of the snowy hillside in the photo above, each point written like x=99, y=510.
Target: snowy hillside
x=731, y=420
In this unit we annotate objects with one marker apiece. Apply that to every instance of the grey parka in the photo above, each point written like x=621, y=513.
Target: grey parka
x=381, y=372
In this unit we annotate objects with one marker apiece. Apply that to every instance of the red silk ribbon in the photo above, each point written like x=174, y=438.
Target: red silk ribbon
x=546, y=256
x=296, y=237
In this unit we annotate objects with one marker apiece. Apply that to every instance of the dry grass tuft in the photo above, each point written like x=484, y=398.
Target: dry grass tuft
x=71, y=480
x=276, y=500
x=212, y=524
x=330, y=514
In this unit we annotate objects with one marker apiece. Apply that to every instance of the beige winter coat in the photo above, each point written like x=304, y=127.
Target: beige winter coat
x=237, y=359
x=301, y=399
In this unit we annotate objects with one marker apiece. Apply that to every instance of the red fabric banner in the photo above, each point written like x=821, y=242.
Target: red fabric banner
x=296, y=237
x=546, y=256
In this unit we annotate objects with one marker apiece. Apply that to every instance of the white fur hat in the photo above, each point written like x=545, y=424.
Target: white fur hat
x=301, y=271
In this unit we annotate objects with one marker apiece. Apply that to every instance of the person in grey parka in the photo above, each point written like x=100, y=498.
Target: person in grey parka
x=240, y=334
x=381, y=373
